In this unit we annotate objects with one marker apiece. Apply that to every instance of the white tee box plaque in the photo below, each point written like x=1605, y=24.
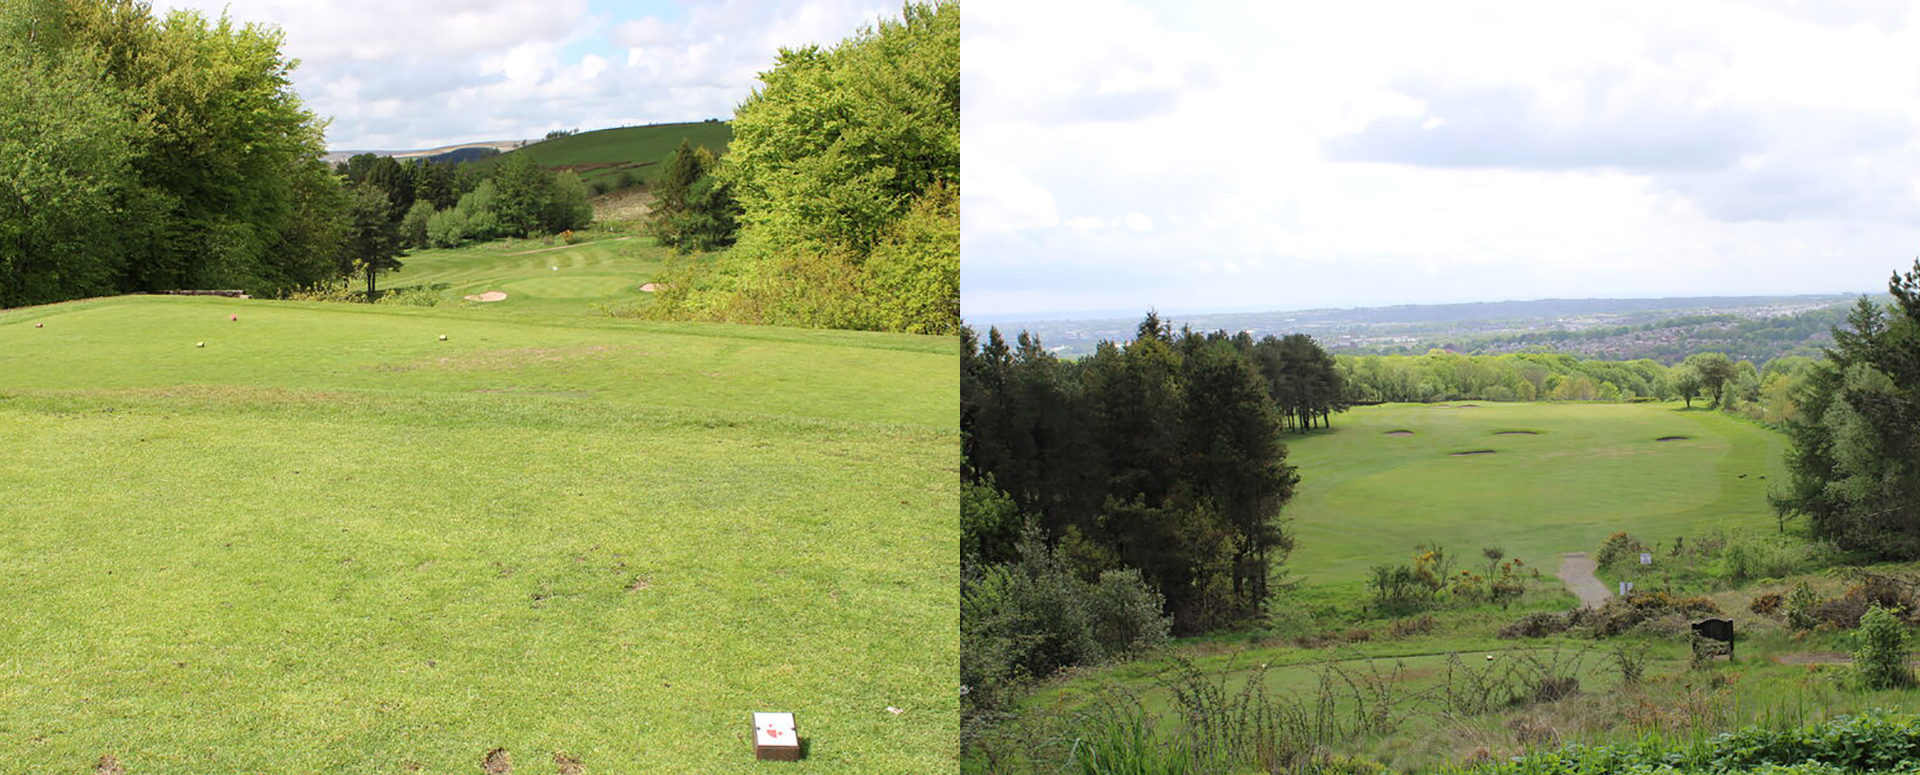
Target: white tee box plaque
x=774, y=737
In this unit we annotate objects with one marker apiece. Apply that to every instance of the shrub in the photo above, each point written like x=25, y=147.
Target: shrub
x=1801, y=606
x=1622, y=614
x=1539, y=624
x=1767, y=604
x=1397, y=591
x=1880, y=650
x=1617, y=547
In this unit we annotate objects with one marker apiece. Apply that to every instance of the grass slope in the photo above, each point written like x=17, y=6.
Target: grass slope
x=1588, y=470
x=330, y=542
x=604, y=154
x=540, y=277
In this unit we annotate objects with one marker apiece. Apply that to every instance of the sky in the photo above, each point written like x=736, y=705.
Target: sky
x=412, y=74
x=1222, y=156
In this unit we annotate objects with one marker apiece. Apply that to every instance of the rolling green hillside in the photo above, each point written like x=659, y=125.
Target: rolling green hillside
x=602, y=155
x=330, y=541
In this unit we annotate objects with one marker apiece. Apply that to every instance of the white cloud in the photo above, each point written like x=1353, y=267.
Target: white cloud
x=397, y=74
x=1316, y=154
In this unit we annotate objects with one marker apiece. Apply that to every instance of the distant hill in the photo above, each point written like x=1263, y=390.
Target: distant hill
x=1757, y=328
x=604, y=154
x=456, y=153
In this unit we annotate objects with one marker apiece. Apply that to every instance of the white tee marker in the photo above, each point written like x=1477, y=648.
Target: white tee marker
x=774, y=738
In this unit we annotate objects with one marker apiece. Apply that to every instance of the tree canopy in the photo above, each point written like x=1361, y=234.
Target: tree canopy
x=139, y=153
x=846, y=168
x=1855, y=430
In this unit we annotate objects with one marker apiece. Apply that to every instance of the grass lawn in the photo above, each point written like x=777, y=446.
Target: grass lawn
x=1583, y=472
x=542, y=278
x=329, y=541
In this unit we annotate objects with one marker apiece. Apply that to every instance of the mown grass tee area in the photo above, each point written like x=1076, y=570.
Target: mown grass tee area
x=330, y=541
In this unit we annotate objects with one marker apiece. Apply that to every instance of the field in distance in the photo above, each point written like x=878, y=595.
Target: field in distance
x=330, y=541
x=602, y=155
x=1537, y=479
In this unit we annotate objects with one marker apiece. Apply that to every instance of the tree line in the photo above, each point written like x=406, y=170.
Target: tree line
x=1109, y=501
x=837, y=202
x=140, y=153
x=1164, y=454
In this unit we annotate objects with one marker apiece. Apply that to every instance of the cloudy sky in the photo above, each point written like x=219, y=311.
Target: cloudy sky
x=405, y=74
x=1268, y=155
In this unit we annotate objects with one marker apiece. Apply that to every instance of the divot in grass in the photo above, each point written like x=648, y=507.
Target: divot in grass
x=1399, y=433
x=568, y=765
x=1471, y=452
x=1673, y=438
x=1516, y=433
x=497, y=762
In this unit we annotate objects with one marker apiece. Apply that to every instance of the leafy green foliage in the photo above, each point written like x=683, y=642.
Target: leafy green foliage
x=846, y=167
x=153, y=154
x=1029, y=618
x=1164, y=455
x=693, y=211
x=1855, y=430
x=1880, y=650
x=1874, y=741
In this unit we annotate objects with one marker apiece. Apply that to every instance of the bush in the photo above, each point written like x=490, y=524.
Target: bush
x=1618, y=546
x=1397, y=591
x=1880, y=651
x=1801, y=608
x=1623, y=614
x=1030, y=618
x=1767, y=604
x=1539, y=624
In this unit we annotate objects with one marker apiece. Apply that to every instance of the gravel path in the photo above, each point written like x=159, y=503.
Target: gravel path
x=1576, y=571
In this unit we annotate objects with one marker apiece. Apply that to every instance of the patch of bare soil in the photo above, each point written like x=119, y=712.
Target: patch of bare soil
x=631, y=204
x=568, y=764
x=497, y=762
x=1471, y=452
x=640, y=584
x=489, y=296
x=108, y=766
x=650, y=288
x=1399, y=433
x=1673, y=438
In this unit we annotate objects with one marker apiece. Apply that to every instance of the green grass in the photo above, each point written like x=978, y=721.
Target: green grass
x=330, y=542
x=604, y=154
x=1585, y=471
x=542, y=278
x=1366, y=498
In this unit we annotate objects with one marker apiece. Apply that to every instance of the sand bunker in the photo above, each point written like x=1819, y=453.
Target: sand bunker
x=1673, y=438
x=488, y=296
x=1517, y=433
x=649, y=287
x=1399, y=433
x=1470, y=452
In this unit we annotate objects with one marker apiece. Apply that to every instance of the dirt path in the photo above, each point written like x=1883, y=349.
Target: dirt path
x=1576, y=571
x=567, y=247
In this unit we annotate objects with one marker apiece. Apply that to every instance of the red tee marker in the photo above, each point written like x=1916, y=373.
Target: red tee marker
x=774, y=737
